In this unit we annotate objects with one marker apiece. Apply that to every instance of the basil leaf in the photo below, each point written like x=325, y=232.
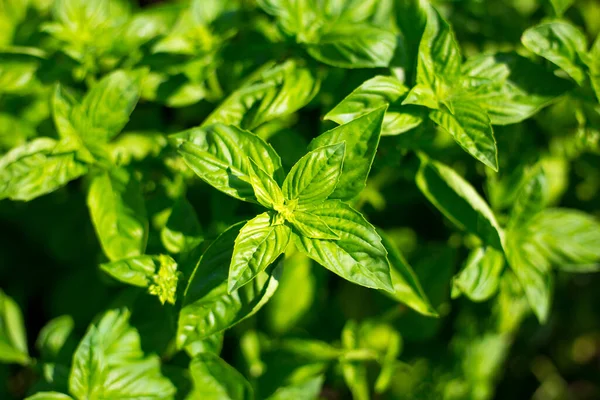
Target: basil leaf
x=182, y=232
x=353, y=45
x=157, y=273
x=531, y=198
x=510, y=87
x=294, y=16
x=214, y=379
x=358, y=256
x=311, y=226
x=439, y=54
x=411, y=17
x=274, y=91
x=13, y=342
x=480, y=277
x=53, y=337
x=373, y=94
x=315, y=176
x=109, y=363
x=560, y=6
x=258, y=244
x=561, y=43
x=407, y=288
x=220, y=155
x=458, y=201
x=361, y=138
x=118, y=212
x=422, y=95
x=267, y=191
x=306, y=390
x=38, y=168
x=207, y=306
x=471, y=128
x=18, y=68
x=594, y=65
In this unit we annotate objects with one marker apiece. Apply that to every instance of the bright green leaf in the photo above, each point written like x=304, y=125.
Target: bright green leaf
x=267, y=191
x=214, y=379
x=311, y=226
x=13, y=342
x=480, y=277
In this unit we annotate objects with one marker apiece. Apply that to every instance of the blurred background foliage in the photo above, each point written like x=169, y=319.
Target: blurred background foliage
x=494, y=349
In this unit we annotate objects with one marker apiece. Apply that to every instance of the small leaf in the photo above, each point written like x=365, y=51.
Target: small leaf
x=53, y=336
x=306, y=390
x=220, y=155
x=182, y=232
x=13, y=342
x=118, y=212
x=471, y=128
x=407, y=288
x=560, y=6
x=274, y=91
x=353, y=45
x=49, y=396
x=480, y=277
x=594, y=65
x=532, y=197
x=258, y=244
x=214, y=379
x=411, y=17
x=314, y=177
x=358, y=256
x=361, y=138
x=208, y=308
x=267, y=191
x=38, y=168
x=561, y=43
x=458, y=201
x=311, y=226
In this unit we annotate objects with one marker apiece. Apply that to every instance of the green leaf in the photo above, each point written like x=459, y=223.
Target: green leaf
x=208, y=308
x=109, y=363
x=306, y=390
x=157, y=273
x=220, y=155
x=267, y=191
x=561, y=43
x=182, y=232
x=471, y=128
x=458, y=201
x=353, y=45
x=315, y=176
x=49, y=396
x=13, y=342
x=532, y=197
x=510, y=87
x=118, y=212
x=214, y=379
x=594, y=65
x=258, y=244
x=480, y=277
x=373, y=94
x=294, y=16
x=311, y=226
x=274, y=91
x=361, y=138
x=407, y=288
x=439, y=54
x=38, y=168
x=560, y=6
x=566, y=238
x=411, y=17
x=422, y=95
x=18, y=70
x=53, y=336
x=533, y=272
x=358, y=256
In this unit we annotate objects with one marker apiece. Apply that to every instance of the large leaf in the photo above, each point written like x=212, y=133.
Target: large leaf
x=259, y=243
x=510, y=87
x=480, y=277
x=458, y=201
x=219, y=155
x=471, y=128
x=208, y=308
x=315, y=176
x=353, y=45
x=561, y=43
x=274, y=91
x=13, y=342
x=361, y=137
x=407, y=288
x=109, y=363
x=118, y=212
x=214, y=379
x=38, y=167
x=358, y=255
x=373, y=94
